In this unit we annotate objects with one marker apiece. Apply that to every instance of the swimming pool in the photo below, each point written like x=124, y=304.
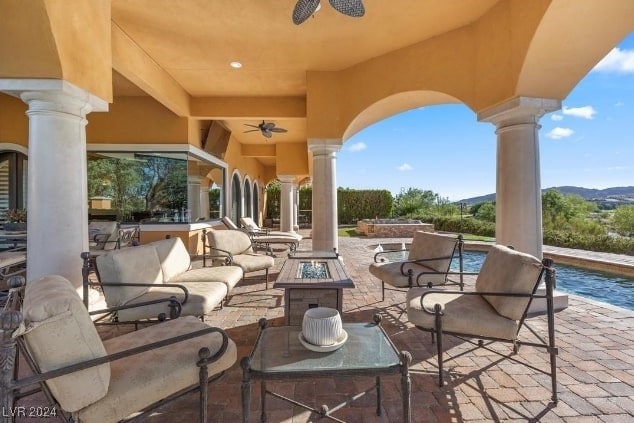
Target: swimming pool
x=606, y=287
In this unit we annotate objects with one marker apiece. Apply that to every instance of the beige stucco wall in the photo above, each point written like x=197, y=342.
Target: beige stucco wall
x=14, y=124
x=67, y=40
x=135, y=120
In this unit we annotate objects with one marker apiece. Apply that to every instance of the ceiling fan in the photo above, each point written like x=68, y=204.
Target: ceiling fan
x=267, y=128
x=304, y=9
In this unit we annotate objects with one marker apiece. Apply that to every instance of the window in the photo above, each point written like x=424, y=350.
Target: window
x=154, y=187
x=13, y=181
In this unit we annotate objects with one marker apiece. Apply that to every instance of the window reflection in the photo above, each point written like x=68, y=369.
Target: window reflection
x=153, y=187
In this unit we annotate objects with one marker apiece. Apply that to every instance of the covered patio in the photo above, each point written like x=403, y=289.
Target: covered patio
x=595, y=363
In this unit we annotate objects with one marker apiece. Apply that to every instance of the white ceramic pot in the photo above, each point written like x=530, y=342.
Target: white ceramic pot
x=322, y=326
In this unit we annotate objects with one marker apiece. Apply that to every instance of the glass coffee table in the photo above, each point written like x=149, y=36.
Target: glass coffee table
x=279, y=355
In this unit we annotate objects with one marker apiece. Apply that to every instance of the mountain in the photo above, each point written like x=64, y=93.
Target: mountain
x=608, y=196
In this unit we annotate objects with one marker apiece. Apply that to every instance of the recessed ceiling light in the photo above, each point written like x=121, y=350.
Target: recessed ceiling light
x=235, y=65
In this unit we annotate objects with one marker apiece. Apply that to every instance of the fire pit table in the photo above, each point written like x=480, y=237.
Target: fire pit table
x=312, y=279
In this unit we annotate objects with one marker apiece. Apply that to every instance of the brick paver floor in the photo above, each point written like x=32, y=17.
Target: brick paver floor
x=595, y=363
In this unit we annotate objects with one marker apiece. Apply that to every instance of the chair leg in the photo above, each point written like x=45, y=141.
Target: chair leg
x=267, y=278
x=438, y=312
x=382, y=291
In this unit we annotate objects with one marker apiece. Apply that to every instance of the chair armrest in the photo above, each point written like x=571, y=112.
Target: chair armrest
x=224, y=254
x=127, y=353
x=149, y=285
x=174, y=305
x=378, y=259
x=429, y=284
x=473, y=293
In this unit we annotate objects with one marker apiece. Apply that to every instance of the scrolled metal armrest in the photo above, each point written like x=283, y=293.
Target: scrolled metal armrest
x=123, y=354
x=387, y=252
x=473, y=293
x=149, y=285
x=419, y=275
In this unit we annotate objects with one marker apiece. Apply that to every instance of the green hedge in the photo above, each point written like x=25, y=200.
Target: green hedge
x=602, y=243
x=467, y=225
x=352, y=205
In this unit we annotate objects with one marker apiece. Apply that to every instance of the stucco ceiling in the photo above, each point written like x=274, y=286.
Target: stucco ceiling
x=195, y=40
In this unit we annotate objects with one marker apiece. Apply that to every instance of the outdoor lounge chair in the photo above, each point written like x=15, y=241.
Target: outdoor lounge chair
x=250, y=225
x=496, y=310
x=226, y=247
x=85, y=379
x=428, y=261
x=264, y=242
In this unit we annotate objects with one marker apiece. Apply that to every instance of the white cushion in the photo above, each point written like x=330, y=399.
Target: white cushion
x=131, y=265
x=426, y=245
x=173, y=256
x=508, y=271
x=145, y=378
x=229, y=275
x=59, y=332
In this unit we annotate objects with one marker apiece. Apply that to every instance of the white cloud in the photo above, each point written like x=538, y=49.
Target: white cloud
x=585, y=112
x=619, y=104
x=556, y=117
x=357, y=146
x=559, y=133
x=405, y=167
x=617, y=60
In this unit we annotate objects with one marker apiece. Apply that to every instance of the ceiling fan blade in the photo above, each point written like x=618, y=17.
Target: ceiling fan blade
x=278, y=130
x=352, y=8
x=251, y=130
x=267, y=134
x=267, y=126
x=304, y=9
x=252, y=126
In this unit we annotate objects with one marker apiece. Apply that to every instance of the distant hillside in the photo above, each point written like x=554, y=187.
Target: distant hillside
x=614, y=195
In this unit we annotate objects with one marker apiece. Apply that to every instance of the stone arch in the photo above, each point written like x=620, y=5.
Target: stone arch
x=256, y=202
x=235, y=197
x=248, y=205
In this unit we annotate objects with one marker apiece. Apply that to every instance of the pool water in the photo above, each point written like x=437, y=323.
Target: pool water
x=606, y=287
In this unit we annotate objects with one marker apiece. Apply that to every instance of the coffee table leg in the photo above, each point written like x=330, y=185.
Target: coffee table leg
x=378, y=395
x=406, y=385
x=263, y=401
x=246, y=388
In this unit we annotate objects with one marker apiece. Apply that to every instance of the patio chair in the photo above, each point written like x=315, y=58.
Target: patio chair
x=103, y=235
x=222, y=247
x=427, y=264
x=264, y=242
x=250, y=225
x=85, y=379
x=496, y=310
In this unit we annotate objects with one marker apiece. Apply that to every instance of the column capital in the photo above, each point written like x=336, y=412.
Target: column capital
x=518, y=110
x=286, y=178
x=54, y=94
x=324, y=146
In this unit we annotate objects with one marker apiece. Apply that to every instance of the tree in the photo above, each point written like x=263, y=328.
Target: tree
x=568, y=213
x=624, y=220
x=414, y=201
x=486, y=212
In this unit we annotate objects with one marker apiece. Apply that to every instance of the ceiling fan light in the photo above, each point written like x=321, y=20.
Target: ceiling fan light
x=235, y=64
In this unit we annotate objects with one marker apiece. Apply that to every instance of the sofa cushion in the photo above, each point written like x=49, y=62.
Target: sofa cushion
x=466, y=314
x=173, y=256
x=508, y=271
x=229, y=275
x=204, y=297
x=131, y=265
x=253, y=262
x=59, y=332
x=136, y=383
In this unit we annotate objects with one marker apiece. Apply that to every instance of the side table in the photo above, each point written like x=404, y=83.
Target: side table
x=279, y=355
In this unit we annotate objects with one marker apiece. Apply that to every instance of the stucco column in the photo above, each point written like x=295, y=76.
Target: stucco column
x=286, y=202
x=295, y=208
x=57, y=174
x=518, y=211
x=324, y=193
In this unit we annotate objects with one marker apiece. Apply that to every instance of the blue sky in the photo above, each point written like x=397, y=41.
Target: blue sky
x=588, y=143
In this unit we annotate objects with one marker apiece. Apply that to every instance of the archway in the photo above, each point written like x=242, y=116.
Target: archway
x=236, y=198
x=248, y=208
